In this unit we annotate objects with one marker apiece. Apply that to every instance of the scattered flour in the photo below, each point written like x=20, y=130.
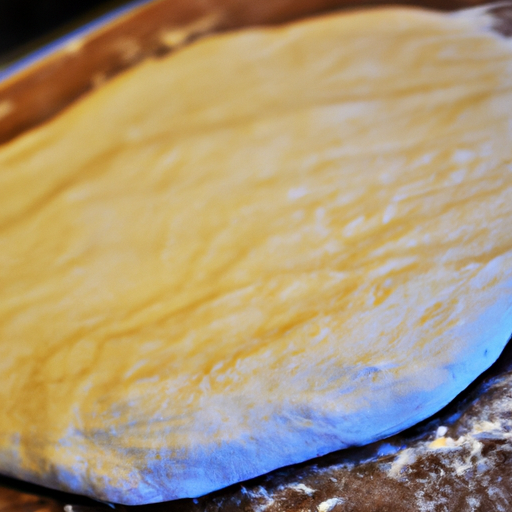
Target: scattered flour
x=328, y=505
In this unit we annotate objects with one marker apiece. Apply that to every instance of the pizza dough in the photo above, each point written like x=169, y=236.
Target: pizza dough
x=267, y=246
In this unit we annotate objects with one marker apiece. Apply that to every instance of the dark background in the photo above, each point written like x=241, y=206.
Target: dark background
x=27, y=24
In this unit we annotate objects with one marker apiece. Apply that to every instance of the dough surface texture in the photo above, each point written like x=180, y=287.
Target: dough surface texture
x=267, y=246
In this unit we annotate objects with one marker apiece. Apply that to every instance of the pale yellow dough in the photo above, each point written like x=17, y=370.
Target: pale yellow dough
x=257, y=235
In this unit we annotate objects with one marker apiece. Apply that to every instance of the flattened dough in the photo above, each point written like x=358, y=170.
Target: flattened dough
x=270, y=245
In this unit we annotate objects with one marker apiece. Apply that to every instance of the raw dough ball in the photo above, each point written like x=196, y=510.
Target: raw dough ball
x=270, y=245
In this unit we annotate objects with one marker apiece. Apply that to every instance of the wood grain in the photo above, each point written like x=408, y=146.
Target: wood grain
x=16, y=501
